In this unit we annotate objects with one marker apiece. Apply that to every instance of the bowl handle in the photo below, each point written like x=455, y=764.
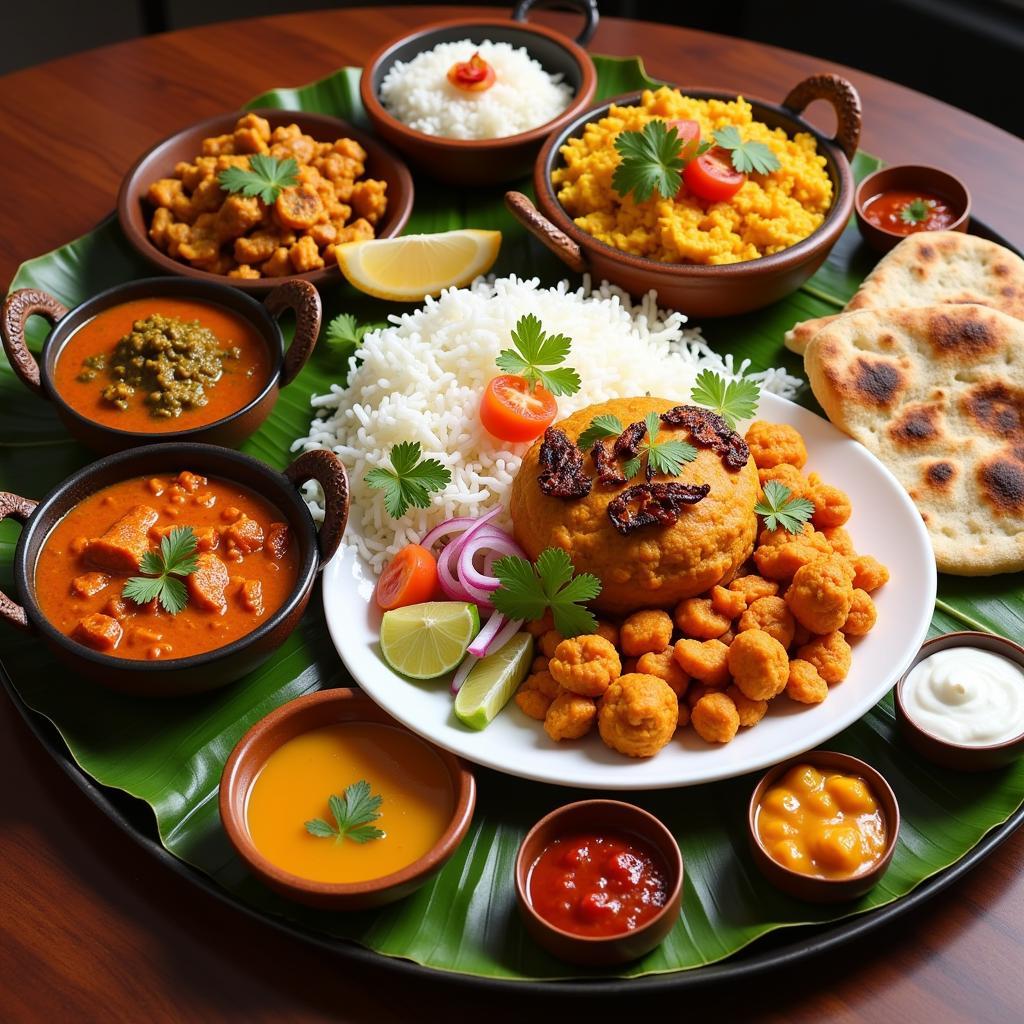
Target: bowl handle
x=845, y=102
x=329, y=472
x=20, y=305
x=12, y=506
x=588, y=8
x=541, y=228
x=304, y=299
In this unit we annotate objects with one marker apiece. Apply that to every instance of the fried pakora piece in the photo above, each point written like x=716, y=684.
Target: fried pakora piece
x=868, y=573
x=830, y=655
x=714, y=718
x=663, y=664
x=585, y=664
x=758, y=664
x=549, y=641
x=570, y=716
x=645, y=632
x=780, y=554
x=707, y=662
x=532, y=703
x=750, y=711
x=863, y=614
x=773, y=443
x=821, y=594
x=832, y=506
x=753, y=587
x=773, y=616
x=805, y=684
x=609, y=631
x=729, y=603
x=696, y=618
x=638, y=715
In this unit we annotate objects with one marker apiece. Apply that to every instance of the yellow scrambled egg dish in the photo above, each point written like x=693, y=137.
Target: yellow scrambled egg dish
x=769, y=213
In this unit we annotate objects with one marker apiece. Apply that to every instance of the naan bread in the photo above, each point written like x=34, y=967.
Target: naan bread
x=933, y=268
x=938, y=395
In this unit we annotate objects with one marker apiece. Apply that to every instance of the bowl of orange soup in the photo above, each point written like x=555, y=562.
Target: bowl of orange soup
x=162, y=359
x=174, y=568
x=332, y=803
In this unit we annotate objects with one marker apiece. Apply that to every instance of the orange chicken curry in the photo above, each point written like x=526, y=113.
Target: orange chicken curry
x=241, y=566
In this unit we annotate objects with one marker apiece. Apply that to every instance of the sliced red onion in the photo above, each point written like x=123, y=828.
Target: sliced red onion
x=482, y=641
x=458, y=525
x=504, y=634
x=451, y=586
x=462, y=671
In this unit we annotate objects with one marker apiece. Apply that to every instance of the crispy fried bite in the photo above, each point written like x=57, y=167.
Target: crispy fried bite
x=750, y=711
x=840, y=540
x=727, y=602
x=715, y=718
x=707, y=662
x=609, y=631
x=831, y=506
x=773, y=616
x=696, y=618
x=773, y=443
x=805, y=684
x=821, y=594
x=781, y=554
x=868, y=573
x=663, y=664
x=645, y=632
x=585, y=664
x=758, y=664
x=752, y=587
x=569, y=716
x=862, y=615
x=549, y=641
x=829, y=654
x=532, y=703
x=638, y=715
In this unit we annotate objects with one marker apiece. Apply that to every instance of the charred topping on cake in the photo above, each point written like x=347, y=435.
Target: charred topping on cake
x=710, y=430
x=562, y=473
x=608, y=471
x=627, y=444
x=653, y=504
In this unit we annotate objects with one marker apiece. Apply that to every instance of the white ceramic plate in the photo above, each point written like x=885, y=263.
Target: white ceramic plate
x=885, y=523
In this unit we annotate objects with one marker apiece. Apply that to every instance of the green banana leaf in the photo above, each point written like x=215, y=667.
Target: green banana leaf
x=170, y=754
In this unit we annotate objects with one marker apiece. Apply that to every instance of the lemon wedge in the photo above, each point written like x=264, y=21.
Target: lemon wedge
x=409, y=268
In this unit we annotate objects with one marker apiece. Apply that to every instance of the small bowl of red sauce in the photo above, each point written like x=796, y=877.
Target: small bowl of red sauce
x=898, y=201
x=599, y=882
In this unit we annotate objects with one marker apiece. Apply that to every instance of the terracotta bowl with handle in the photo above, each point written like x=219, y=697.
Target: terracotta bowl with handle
x=216, y=668
x=134, y=212
x=484, y=161
x=697, y=290
x=37, y=373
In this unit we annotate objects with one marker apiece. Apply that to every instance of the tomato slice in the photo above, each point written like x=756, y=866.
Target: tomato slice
x=409, y=578
x=513, y=409
x=473, y=75
x=712, y=176
x=689, y=135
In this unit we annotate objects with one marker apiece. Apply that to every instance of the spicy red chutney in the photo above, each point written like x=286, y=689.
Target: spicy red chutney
x=597, y=884
x=903, y=212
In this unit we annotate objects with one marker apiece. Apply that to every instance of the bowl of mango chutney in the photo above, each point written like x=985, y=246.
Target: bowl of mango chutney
x=332, y=803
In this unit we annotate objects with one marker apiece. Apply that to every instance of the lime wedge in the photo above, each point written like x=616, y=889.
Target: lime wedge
x=492, y=681
x=427, y=640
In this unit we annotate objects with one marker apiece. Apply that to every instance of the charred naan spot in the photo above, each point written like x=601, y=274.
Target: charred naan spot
x=916, y=425
x=926, y=252
x=1002, y=485
x=1017, y=452
x=877, y=381
x=952, y=336
x=997, y=409
x=1000, y=269
x=1008, y=291
x=940, y=475
x=886, y=341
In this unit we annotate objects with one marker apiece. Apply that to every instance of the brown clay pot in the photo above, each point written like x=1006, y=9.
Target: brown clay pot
x=181, y=676
x=483, y=161
x=599, y=815
x=299, y=297
x=134, y=212
x=706, y=291
x=825, y=890
x=958, y=756
x=313, y=711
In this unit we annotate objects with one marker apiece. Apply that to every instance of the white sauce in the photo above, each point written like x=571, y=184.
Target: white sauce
x=966, y=696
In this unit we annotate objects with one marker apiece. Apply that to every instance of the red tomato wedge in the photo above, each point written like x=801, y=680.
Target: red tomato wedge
x=689, y=135
x=473, y=75
x=409, y=578
x=712, y=176
x=513, y=409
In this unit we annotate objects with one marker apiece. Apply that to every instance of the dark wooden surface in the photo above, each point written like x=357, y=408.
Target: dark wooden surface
x=92, y=928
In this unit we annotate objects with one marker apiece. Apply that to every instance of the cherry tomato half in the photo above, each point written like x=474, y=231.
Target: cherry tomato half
x=712, y=176
x=689, y=135
x=473, y=75
x=513, y=409
x=409, y=578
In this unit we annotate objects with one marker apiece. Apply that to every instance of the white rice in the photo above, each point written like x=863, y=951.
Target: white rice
x=522, y=97
x=421, y=377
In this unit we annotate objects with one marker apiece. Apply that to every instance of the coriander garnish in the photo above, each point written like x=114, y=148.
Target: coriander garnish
x=352, y=813
x=666, y=457
x=176, y=557
x=917, y=211
x=344, y=333
x=265, y=178
x=600, y=428
x=651, y=161
x=409, y=481
x=781, y=509
x=535, y=350
x=733, y=400
x=746, y=156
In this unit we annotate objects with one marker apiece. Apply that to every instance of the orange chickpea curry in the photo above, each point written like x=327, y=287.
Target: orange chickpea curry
x=295, y=201
x=234, y=564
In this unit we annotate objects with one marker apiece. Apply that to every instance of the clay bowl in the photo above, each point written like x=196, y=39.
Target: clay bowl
x=705, y=291
x=482, y=161
x=181, y=676
x=599, y=815
x=960, y=757
x=825, y=890
x=134, y=212
x=911, y=177
x=37, y=375
x=328, y=707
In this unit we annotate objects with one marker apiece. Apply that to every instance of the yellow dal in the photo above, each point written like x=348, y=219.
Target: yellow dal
x=769, y=213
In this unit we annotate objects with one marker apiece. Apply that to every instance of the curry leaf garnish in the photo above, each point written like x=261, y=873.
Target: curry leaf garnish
x=535, y=350
x=528, y=590
x=352, y=813
x=733, y=400
x=747, y=156
x=265, y=178
x=651, y=160
x=781, y=509
x=666, y=457
x=917, y=211
x=409, y=481
x=176, y=558
x=600, y=428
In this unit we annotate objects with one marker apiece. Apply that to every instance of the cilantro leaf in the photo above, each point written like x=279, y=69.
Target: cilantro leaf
x=733, y=400
x=651, y=161
x=666, y=457
x=600, y=428
x=534, y=350
x=781, y=509
x=352, y=813
x=917, y=211
x=527, y=591
x=176, y=557
x=747, y=156
x=265, y=178
x=409, y=481
x=344, y=333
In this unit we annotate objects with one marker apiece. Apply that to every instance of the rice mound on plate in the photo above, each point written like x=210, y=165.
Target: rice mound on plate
x=421, y=377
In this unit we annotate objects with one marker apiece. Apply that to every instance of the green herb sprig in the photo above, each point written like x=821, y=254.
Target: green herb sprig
x=600, y=428
x=265, y=178
x=651, y=161
x=535, y=351
x=164, y=568
x=733, y=400
x=352, y=815
x=781, y=509
x=747, y=156
x=666, y=457
x=917, y=211
x=409, y=481
x=528, y=590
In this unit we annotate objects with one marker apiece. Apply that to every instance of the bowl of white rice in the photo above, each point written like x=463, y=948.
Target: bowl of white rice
x=542, y=80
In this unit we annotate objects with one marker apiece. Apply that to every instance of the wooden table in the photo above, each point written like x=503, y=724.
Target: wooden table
x=92, y=927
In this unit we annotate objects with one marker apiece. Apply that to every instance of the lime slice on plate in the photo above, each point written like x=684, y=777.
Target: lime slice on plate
x=427, y=640
x=492, y=681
